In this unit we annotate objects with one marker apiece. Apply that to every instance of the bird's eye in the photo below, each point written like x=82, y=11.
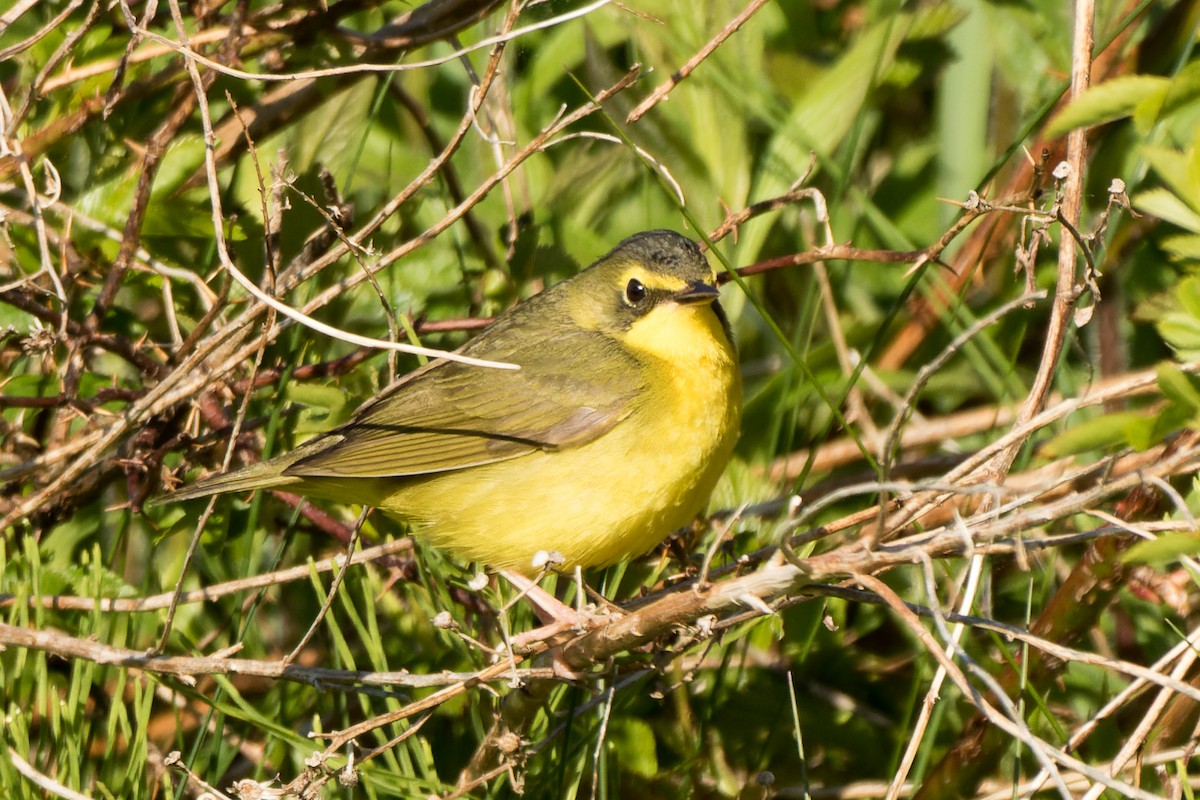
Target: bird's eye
x=635, y=292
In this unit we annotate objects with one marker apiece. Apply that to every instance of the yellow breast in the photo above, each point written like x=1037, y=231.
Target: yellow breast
x=618, y=495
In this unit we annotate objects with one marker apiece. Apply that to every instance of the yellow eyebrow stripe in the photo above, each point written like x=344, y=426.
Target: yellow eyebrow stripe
x=653, y=280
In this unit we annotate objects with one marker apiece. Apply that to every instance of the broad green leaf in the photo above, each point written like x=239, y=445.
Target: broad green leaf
x=1173, y=168
x=1179, y=386
x=183, y=157
x=1106, y=102
x=1181, y=331
x=1166, y=548
x=1110, y=430
x=188, y=216
x=1193, y=167
x=59, y=544
x=325, y=406
x=31, y=385
x=1183, y=246
x=1166, y=206
x=634, y=740
x=15, y=318
x=1183, y=90
x=109, y=201
x=1188, y=295
x=329, y=134
x=933, y=21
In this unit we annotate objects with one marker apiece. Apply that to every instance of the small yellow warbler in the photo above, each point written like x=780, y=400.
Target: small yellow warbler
x=610, y=436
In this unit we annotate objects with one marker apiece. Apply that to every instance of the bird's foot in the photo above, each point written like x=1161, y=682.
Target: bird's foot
x=559, y=621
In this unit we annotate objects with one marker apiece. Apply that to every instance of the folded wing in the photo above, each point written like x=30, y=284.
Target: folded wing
x=449, y=416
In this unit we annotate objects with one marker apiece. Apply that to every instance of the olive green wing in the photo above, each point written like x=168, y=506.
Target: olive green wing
x=449, y=416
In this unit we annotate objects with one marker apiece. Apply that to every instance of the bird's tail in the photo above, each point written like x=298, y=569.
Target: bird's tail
x=264, y=475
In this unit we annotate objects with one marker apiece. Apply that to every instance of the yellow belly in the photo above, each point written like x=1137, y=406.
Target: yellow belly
x=609, y=499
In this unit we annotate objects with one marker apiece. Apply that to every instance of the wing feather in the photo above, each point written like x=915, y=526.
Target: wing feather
x=448, y=416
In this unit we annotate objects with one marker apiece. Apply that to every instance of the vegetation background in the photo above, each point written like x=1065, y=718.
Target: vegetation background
x=966, y=313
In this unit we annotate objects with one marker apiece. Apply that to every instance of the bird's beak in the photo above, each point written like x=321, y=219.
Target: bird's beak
x=695, y=293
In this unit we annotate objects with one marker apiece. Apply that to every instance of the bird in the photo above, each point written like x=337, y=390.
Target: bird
x=611, y=434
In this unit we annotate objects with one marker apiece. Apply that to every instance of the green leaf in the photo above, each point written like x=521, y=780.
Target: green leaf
x=1183, y=90
x=1188, y=295
x=1193, y=167
x=824, y=114
x=179, y=217
x=932, y=22
x=324, y=406
x=61, y=542
x=1179, y=386
x=634, y=740
x=1108, y=101
x=31, y=386
x=109, y=201
x=1172, y=167
x=11, y=316
x=1111, y=430
x=829, y=108
x=833, y=101
x=1168, y=547
x=1182, y=332
x=1166, y=206
x=1185, y=246
x=183, y=157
